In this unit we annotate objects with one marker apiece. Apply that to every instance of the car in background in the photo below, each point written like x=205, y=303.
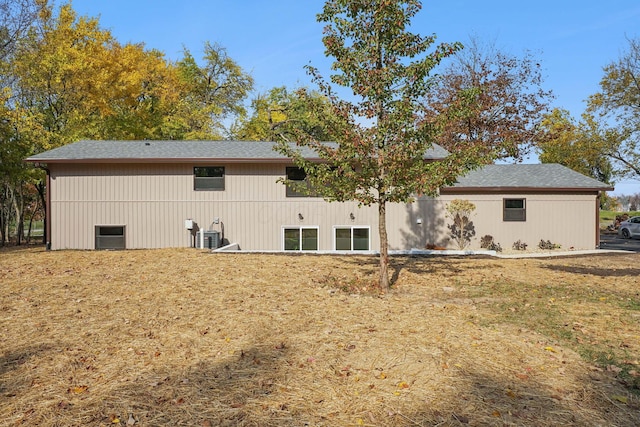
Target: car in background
x=630, y=228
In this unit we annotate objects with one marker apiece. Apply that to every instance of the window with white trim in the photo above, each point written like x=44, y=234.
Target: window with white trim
x=300, y=238
x=514, y=209
x=351, y=238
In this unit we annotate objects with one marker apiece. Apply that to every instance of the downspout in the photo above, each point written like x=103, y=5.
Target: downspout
x=598, y=221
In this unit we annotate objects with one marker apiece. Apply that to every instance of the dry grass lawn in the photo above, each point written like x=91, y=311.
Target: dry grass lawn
x=188, y=338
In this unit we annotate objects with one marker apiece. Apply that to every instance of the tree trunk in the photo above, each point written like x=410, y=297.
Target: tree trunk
x=18, y=206
x=41, y=188
x=3, y=215
x=31, y=218
x=384, y=246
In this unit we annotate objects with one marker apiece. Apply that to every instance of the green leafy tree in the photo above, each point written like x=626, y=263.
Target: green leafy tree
x=275, y=112
x=212, y=93
x=616, y=112
x=382, y=132
x=16, y=18
x=574, y=145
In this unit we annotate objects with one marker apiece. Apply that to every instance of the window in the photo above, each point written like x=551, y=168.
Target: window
x=300, y=238
x=298, y=175
x=110, y=237
x=208, y=178
x=351, y=238
x=514, y=210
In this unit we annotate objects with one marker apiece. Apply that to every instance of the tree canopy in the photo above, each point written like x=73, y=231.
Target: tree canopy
x=616, y=109
x=491, y=98
x=574, y=145
x=274, y=112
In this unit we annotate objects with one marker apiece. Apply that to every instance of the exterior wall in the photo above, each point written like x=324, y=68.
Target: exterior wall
x=567, y=219
x=154, y=200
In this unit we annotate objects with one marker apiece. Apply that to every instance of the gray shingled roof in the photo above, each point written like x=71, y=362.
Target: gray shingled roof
x=176, y=151
x=492, y=177
x=533, y=176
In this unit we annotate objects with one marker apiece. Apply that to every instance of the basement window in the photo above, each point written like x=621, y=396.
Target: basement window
x=300, y=238
x=208, y=178
x=514, y=210
x=110, y=237
x=351, y=238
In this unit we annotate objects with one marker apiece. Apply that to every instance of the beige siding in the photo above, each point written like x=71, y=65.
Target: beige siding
x=565, y=219
x=154, y=200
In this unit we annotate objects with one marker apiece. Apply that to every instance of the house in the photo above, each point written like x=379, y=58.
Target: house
x=155, y=194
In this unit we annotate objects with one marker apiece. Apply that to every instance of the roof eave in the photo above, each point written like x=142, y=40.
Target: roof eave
x=163, y=160
x=180, y=160
x=460, y=190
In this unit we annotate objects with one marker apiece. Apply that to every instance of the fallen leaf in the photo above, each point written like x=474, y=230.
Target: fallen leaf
x=403, y=385
x=78, y=389
x=551, y=349
x=621, y=399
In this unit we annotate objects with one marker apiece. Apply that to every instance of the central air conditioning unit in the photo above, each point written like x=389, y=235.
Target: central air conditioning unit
x=207, y=239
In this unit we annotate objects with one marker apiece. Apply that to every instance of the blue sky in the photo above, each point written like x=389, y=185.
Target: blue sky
x=273, y=40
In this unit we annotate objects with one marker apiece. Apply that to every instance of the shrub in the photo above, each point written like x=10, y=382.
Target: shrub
x=546, y=244
x=486, y=242
x=519, y=246
x=462, y=228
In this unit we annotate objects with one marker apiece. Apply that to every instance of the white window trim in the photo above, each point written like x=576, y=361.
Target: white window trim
x=351, y=227
x=300, y=227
